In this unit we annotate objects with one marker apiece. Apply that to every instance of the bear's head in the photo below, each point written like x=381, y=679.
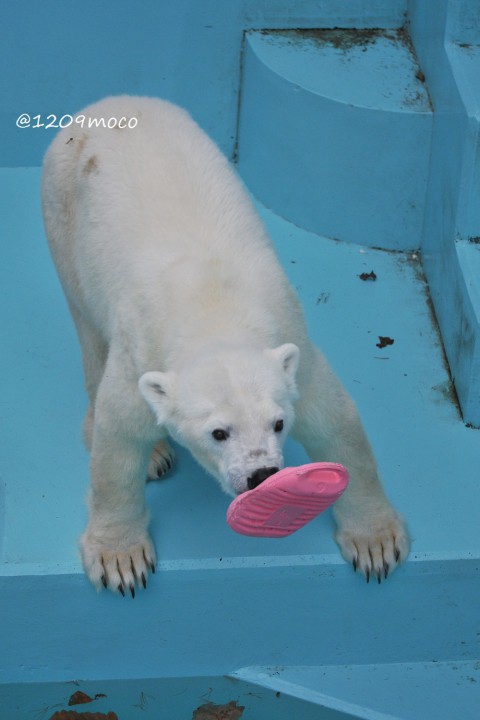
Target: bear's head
x=232, y=408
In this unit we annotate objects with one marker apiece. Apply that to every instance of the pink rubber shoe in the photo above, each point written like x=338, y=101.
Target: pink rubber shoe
x=288, y=500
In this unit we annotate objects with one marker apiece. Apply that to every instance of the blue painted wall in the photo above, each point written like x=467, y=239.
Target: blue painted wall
x=447, y=43
x=60, y=55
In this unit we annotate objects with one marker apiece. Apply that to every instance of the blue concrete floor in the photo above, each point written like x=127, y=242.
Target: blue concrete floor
x=429, y=460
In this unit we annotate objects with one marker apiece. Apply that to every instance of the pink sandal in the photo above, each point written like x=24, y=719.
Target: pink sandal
x=288, y=500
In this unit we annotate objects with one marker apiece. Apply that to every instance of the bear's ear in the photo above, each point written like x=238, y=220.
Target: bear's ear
x=157, y=389
x=288, y=356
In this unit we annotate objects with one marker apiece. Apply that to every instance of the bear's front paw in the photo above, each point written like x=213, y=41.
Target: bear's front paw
x=118, y=564
x=161, y=460
x=375, y=547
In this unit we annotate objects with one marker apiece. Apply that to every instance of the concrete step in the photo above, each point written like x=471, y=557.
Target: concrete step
x=334, y=132
x=452, y=217
x=403, y=691
x=337, y=134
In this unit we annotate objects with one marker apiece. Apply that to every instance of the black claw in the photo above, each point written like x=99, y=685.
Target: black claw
x=132, y=591
x=104, y=582
x=397, y=554
x=152, y=567
x=354, y=563
x=121, y=590
x=162, y=470
x=379, y=577
x=367, y=575
x=144, y=581
x=386, y=570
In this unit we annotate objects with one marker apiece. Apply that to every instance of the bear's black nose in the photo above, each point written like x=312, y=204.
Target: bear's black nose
x=259, y=476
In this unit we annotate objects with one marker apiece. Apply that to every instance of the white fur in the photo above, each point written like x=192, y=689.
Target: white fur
x=188, y=325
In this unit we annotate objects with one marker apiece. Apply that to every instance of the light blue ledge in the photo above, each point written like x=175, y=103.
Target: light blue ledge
x=413, y=691
x=334, y=133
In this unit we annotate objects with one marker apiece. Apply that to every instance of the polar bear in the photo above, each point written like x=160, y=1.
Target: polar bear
x=189, y=329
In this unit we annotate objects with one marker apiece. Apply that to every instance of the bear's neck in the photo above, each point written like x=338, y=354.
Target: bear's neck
x=220, y=338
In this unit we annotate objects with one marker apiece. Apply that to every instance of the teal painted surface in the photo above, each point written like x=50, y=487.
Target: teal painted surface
x=338, y=137
x=411, y=691
x=221, y=620
x=447, y=45
x=170, y=698
x=334, y=133
x=465, y=62
x=403, y=393
x=348, y=67
x=221, y=602
x=62, y=55
x=267, y=693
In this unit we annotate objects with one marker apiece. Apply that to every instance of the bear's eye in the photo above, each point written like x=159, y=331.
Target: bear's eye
x=220, y=435
x=278, y=427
